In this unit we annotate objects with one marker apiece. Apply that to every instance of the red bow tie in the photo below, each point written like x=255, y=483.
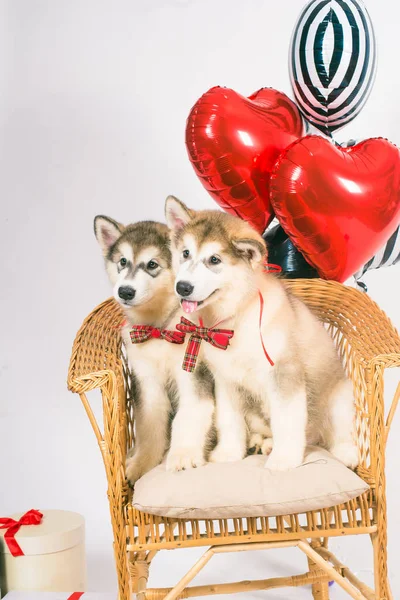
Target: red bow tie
x=142, y=333
x=32, y=517
x=217, y=337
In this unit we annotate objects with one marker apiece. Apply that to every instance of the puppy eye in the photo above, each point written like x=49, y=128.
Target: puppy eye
x=123, y=262
x=151, y=265
x=214, y=260
x=186, y=254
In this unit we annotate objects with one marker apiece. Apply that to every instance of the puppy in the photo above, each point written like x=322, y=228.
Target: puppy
x=138, y=263
x=280, y=354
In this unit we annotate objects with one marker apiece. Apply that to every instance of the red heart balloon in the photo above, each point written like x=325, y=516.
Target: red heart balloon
x=233, y=143
x=338, y=205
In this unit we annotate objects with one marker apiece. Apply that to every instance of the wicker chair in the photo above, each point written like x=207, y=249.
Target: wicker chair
x=368, y=344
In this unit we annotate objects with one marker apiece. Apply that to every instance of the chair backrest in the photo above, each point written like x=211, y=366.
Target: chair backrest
x=348, y=314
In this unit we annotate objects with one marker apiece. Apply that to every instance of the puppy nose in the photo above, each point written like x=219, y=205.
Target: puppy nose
x=126, y=292
x=184, y=288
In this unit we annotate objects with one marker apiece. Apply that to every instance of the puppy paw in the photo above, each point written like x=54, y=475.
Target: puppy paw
x=347, y=453
x=266, y=446
x=135, y=467
x=180, y=459
x=226, y=454
x=282, y=462
x=255, y=444
x=260, y=445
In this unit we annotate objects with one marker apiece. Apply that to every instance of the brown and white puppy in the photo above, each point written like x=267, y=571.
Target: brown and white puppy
x=138, y=263
x=218, y=260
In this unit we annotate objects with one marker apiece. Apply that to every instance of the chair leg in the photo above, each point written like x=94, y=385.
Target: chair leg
x=139, y=573
x=121, y=562
x=320, y=590
x=382, y=588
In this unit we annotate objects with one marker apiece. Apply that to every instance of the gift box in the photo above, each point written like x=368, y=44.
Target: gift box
x=42, y=551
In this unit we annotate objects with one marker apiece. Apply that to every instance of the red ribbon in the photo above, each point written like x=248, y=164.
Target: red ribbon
x=142, y=333
x=32, y=517
x=259, y=328
x=75, y=596
x=217, y=337
x=272, y=268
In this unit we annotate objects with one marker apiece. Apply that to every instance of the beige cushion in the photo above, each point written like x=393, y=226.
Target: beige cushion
x=247, y=488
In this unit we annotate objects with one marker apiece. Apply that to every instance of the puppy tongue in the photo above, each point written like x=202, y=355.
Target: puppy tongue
x=189, y=306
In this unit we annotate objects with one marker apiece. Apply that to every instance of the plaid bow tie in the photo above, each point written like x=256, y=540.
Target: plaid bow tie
x=217, y=337
x=142, y=333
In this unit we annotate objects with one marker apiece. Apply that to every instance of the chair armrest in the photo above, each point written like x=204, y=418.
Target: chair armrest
x=96, y=363
x=368, y=343
x=387, y=361
x=112, y=437
x=89, y=382
x=377, y=367
x=357, y=318
x=376, y=344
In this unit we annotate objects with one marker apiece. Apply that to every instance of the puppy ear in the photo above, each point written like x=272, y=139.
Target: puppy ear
x=177, y=214
x=107, y=231
x=250, y=249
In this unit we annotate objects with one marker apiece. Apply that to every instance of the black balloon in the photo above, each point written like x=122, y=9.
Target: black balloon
x=283, y=253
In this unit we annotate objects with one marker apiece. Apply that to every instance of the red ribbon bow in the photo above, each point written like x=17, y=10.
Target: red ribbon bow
x=142, y=333
x=32, y=517
x=217, y=337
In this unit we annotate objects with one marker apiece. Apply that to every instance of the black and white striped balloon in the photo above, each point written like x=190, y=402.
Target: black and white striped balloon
x=386, y=257
x=332, y=62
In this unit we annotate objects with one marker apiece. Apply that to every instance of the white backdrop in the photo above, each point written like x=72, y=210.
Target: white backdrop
x=94, y=97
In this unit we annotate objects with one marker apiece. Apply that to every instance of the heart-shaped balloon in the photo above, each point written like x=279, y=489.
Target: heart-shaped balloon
x=233, y=143
x=338, y=205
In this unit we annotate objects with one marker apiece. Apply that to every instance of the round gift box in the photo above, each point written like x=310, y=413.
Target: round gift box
x=54, y=555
